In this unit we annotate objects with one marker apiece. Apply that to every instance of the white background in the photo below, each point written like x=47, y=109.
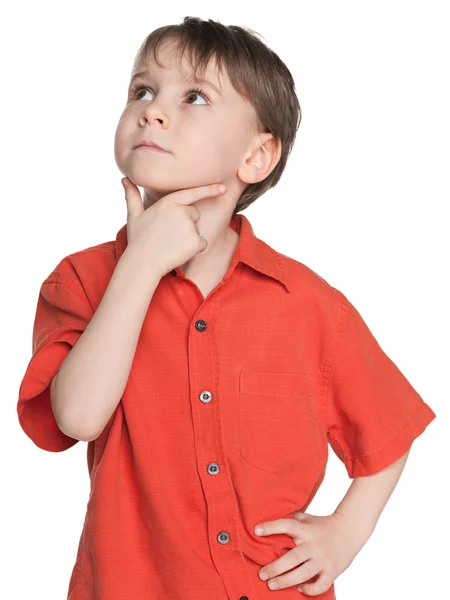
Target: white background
x=362, y=201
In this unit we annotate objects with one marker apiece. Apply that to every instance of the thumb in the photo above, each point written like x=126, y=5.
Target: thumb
x=133, y=198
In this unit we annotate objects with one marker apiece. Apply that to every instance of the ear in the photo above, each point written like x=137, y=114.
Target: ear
x=261, y=159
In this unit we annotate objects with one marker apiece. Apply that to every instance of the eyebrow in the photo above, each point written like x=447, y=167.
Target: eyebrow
x=190, y=79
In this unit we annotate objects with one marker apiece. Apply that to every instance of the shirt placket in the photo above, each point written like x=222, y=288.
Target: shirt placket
x=212, y=465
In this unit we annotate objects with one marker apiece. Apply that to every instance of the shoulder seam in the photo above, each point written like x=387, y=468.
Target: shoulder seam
x=96, y=248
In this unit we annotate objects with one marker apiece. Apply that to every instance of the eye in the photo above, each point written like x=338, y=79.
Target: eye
x=137, y=88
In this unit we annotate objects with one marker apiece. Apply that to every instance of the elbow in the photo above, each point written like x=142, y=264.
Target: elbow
x=76, y=432
x=67, y=424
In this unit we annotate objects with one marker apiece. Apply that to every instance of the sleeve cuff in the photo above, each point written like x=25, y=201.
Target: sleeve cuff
x=369, y=464
x=34, y=405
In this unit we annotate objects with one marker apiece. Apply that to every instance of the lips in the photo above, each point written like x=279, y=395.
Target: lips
x=150, y=145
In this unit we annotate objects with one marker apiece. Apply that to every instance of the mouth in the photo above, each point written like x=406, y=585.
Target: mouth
x=149, y=146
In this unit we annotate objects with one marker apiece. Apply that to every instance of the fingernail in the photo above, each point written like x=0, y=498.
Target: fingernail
x=259, y=530
x=274, y=585
x=124, y=183
x=222, y=188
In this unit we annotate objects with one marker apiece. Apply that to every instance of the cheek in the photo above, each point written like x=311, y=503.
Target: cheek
x=119, y=148
x=209, y=153
x=227, y=151
x=213, y=141
x=122, y=139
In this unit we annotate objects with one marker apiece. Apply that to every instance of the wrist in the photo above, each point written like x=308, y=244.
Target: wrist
x=138, y=262
x=360, y=528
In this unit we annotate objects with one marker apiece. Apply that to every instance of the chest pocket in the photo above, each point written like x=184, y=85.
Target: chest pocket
x=278, y=422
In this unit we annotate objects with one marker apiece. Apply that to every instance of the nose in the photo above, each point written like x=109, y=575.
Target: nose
x=154, y=111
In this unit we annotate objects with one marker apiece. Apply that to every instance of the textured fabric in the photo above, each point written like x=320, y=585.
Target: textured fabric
x=225, y=421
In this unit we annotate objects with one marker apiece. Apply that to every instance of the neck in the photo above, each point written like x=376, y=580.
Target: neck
x=222, y=241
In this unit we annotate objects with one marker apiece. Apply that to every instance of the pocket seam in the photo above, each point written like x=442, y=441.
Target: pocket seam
x=245, y=388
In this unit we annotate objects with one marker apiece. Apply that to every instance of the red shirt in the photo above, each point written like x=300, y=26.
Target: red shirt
x=225, y=421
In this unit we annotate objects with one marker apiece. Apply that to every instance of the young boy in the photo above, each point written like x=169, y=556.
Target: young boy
x=207, y=371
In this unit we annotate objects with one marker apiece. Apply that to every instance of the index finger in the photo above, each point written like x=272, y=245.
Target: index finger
x=189, y=195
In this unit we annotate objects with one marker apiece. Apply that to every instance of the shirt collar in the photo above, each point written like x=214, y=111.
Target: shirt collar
x=250, y=250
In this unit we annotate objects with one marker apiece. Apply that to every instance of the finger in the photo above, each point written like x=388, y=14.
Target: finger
x=300, y=516
x=205, y=243
x=295, y=557
x=305, y=572
x=189, y=195
x=289, y=526
x=194, y=212
x=133, y=198
x=320, y=586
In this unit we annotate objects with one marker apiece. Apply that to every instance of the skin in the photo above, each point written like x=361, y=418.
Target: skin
x=209, y=141
x=325, y=546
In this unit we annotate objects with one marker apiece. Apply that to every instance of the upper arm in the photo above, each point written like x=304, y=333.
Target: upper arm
x=52, y=392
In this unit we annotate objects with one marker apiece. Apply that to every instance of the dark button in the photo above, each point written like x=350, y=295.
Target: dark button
x=223, y=537
x=200, y=325
x=213, y=468
x=173, y=272
x=243, y=598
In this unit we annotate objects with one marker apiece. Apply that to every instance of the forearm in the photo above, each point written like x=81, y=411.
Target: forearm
x=367, y=496
x=93, y=376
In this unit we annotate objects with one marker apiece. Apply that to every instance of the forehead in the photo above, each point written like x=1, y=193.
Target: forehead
x=172, y=61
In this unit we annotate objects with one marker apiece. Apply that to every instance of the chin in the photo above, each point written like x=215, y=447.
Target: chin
x=157, y=184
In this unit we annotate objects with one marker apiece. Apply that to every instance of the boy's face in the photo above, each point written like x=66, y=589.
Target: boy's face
x=208, y=140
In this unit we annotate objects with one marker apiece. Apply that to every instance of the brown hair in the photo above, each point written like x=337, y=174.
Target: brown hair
x=255, y=71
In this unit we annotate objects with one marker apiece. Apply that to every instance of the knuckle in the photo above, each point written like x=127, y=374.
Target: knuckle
x=323, y=585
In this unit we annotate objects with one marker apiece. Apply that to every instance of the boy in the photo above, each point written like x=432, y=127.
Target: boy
x=206, y=371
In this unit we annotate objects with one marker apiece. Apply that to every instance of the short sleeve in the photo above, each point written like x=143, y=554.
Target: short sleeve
x=62, y=315
x=373, y=412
